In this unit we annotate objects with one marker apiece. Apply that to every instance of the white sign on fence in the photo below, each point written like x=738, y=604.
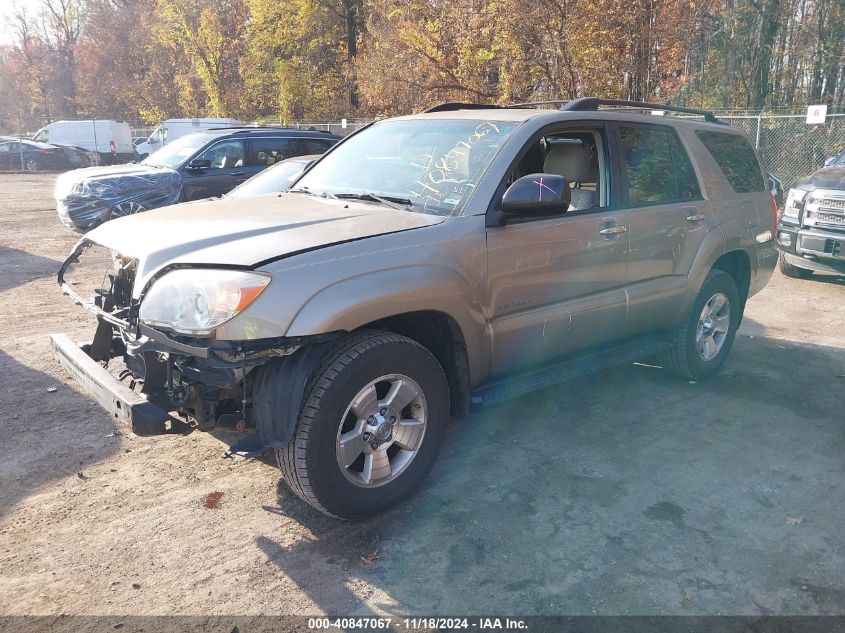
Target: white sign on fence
x=343, y=123
x=816, y=114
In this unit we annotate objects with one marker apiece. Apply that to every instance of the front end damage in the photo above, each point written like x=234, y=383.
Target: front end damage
x=158, y=381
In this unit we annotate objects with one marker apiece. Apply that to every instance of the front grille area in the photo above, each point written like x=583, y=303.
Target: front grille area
x=832, y=203
x=827, y=216
x=826, y=209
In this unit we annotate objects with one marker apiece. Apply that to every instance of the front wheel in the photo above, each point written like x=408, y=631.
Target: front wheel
x=791, y=270
x=371, y=426
x=703, y=341
x=123, y=209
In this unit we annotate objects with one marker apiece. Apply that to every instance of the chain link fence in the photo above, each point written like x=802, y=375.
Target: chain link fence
x=34, y=144
x=789, y=147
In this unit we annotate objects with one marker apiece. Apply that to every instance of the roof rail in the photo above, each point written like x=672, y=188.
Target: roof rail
x=593, y=103
x=452, y=106
x=529, y=104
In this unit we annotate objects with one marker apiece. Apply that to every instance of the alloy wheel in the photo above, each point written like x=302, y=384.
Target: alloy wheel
x=381, y=431
x=713, y=325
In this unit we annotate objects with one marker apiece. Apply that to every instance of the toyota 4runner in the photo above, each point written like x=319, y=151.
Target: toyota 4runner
x=425, y=265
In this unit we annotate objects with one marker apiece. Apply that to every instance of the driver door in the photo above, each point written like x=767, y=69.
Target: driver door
x=226, y=171
x=556, y=285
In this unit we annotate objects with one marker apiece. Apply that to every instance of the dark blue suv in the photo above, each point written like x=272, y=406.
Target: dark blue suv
x=199, y=165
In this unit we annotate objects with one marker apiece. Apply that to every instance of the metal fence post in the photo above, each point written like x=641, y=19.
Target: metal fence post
x=20, y=145
x=759, y=125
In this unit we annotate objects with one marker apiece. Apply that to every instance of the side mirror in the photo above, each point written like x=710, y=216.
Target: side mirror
x=199, y=163
x=537, y=195
x=830, y=161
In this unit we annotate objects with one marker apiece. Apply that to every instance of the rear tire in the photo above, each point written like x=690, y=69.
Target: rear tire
x=791, y=270
x=32, y=165
x=347, y=458
x=704, y=339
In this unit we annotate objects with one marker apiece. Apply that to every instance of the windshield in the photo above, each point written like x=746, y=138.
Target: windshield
x=840, y=160
x=177, y=152
x=434, y=164
x=272, y=180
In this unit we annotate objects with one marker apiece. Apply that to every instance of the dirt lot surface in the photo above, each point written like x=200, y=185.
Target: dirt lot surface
x=627, y=492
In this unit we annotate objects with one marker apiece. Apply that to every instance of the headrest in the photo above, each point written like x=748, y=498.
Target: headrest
x=575, y=162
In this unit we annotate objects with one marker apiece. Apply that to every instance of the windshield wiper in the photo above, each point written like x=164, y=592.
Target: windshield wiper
x=394, y=202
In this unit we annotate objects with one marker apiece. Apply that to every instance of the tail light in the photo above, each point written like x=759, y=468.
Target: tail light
x=43, y=150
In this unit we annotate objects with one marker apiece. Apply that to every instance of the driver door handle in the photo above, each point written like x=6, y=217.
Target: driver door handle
x=696, y=217
x=613, y=230
x=238, y=173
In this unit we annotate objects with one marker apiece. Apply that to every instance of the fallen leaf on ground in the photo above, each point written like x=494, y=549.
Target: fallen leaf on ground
x=212, y=500
x=794, y=520
x=688, y=595
x=369, y=559
x=81, y=475
x=52, y=390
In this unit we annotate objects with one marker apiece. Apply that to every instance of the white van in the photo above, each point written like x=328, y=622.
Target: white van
x=172, y=129
x=112, y=140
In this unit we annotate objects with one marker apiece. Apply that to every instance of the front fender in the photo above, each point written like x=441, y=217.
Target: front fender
x=357, y=301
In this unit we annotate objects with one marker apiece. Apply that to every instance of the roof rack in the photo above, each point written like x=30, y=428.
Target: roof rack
x=584, y=104
x=529, y=104
x=593, y=103
x=452, y=106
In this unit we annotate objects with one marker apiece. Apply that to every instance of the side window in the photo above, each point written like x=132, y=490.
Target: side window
x=578, y=156
x=225, y=155
x=736, y=159
x=317, y=146
x=5, y=148
x=655, y=167
x=269, y=151
x=42, y=137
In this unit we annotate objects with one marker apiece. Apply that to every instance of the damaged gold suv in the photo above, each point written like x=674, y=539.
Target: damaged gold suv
x=426, y=265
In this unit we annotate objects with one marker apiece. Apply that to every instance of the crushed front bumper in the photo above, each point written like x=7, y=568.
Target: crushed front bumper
x=142, y=416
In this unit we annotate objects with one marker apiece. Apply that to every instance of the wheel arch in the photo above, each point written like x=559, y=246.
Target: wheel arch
x=441, y=335
x=737, y=264
x=412, y=301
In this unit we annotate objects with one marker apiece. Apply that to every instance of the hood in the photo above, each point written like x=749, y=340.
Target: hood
x=103, y=180
x=832, y=177
x=247, y=231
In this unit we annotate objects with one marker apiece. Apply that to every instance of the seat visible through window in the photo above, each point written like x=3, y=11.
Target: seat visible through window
x=578, y=163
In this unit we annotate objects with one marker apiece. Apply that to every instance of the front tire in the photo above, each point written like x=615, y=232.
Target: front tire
x=704, y=339
x=373, y=420
x=790, y=270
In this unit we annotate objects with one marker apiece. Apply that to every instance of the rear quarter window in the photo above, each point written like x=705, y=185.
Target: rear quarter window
x=736, y=158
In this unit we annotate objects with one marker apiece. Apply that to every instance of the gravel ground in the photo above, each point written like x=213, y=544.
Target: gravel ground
x=626, y=492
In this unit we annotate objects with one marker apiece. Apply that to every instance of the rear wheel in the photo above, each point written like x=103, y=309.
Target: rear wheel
x=703, y=341
x=791, y=270
x=371, y=426
x=32, y=165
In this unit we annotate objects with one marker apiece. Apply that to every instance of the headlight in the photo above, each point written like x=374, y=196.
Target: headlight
x=794, y=203
x=195, y=301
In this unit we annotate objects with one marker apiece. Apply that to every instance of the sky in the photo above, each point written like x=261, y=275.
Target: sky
x=7, y=8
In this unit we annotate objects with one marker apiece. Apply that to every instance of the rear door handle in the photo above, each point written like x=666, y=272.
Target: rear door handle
x=613, y=230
